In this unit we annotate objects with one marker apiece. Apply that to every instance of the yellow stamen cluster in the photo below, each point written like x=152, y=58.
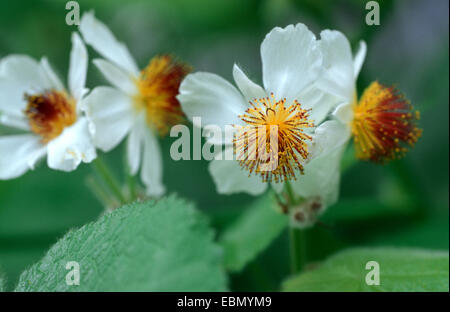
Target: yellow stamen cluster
x=49, y=113
x=158, y=86
x=384, y=123
x=284, y=145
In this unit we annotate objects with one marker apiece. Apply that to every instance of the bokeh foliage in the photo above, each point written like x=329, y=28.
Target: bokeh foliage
x=405, y=203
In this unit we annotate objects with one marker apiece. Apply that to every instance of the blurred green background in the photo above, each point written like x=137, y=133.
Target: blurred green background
x=405, y=203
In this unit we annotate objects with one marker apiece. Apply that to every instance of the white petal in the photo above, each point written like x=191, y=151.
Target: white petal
x=321, y=178
x=212, y=98
x=249, y=89
x=20, y=75
x=227, y=135
x=134, y=147
x=319, y=102
x=73, y=146
x=18, y=154
x=277, y=187
x=359, y=58
x=291, y=61
x=116, y=76
x=52, y=79
x=344, y=113
x=77, y=67
x=338, y=78
x=229, y=178
x=328, y=137
x=110, y=113
x=103, y=41
x=12, y=97
x=18, y=122
x=151, y=173
x=25, y=71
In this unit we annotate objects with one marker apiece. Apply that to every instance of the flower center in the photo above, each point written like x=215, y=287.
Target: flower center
x=273, y=143
x=49, y=113
x=384, y=124
x=158, y=86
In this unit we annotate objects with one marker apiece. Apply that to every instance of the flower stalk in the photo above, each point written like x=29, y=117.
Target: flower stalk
x=108, y=178
x=297, y=237
x=131, y=182
x=297, y=246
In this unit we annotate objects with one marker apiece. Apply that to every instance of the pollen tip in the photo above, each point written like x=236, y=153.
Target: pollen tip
x=158, y=87
x=49, y=113
x=384, y=122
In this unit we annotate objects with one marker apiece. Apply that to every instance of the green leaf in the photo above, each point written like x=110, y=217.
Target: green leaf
x=400, y=270
x=165, y=245
x=253, y=232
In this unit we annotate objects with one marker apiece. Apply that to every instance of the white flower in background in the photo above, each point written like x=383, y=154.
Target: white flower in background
x=142, y=104
x=33, y=99
x=382, y=122
x=292, y=64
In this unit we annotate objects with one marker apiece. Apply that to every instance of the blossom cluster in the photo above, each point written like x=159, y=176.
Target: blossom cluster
x=308, y=94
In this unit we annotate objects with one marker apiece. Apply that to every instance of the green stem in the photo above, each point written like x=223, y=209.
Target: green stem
x=297, y=246
x=290, y=193
x=131, y=182
x=103, y=196
x=111, y=182
x=297, y=238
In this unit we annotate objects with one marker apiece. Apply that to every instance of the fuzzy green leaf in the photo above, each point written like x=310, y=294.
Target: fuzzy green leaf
x=153, y=246
x=253, y=232
x=400, y=270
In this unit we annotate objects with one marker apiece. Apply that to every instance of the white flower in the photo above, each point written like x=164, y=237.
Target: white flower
x=141, y=105
x=341, y=73
x=382, y=122
x=33, y=99
x=292, y=64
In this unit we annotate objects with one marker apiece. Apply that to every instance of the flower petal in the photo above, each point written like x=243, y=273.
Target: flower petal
x=344, y=113
x=321, y=178
x=110, y=113
x=103, y=41
x=328, y=137
x=77, y=67
x=319, y=102
x=52, y=79
x=17, y=122
x=229, y=178
x=20, y=74
x=12, y=97
x=249, y=89
x=291, y=61
x=359, y=58
x=212, y=98
x=134, y=147
x=338, y=78
x=71, y=147
x=24, y=70
x=151, y=173
x=277, y=187
x=18, y=154
x=226, y=138
x=116, y=76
